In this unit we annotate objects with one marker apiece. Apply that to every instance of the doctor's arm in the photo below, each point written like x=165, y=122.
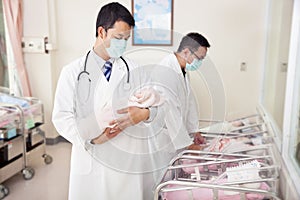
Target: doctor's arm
x=193, y=122
x=63, y=111
x=134, y=115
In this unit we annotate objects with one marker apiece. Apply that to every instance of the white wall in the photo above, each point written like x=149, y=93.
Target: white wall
x=232, y=42
x=236, y=30
x=40, y=66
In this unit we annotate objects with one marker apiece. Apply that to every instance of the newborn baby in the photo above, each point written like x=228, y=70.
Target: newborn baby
x=142, y=98
x=145, y=98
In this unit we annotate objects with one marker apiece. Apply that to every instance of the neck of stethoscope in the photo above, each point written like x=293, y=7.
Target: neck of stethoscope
x=127, y=68
x=85, y=63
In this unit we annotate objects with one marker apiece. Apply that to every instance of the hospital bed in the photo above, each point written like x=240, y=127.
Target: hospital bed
x=21, y=138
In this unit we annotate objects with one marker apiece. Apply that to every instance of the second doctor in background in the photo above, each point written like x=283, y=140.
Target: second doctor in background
x=122, y=166
x=190, y=53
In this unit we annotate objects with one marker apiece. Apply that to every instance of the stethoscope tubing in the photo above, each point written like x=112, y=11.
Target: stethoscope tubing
x=85, y=71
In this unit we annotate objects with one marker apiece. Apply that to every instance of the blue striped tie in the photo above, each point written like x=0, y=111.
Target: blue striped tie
x=107, y=70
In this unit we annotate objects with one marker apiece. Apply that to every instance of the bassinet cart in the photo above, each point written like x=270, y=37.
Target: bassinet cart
x=22, y=140
x=238, y=163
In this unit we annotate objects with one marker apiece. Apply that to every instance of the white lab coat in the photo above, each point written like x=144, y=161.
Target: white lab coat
x=189, y=109
x=123, y=167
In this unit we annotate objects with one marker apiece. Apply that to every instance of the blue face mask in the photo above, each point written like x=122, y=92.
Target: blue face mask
x=194, y=65
x=117, y=47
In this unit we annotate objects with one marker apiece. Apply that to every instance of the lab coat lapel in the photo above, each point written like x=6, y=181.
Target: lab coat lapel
x=179, y=71
x=104, y=90
x=187, y=83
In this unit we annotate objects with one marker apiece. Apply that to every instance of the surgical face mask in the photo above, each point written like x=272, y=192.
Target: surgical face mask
x=194, y=65
x=117, y=47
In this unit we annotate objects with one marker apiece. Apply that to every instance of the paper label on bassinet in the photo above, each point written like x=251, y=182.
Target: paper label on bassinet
x=244, y=172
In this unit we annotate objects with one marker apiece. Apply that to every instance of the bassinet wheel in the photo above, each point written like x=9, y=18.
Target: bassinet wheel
x=28, y=173
x=4, y=191
x=2, y=195
x=47, y=159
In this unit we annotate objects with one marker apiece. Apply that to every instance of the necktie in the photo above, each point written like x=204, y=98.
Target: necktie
x=107, y=70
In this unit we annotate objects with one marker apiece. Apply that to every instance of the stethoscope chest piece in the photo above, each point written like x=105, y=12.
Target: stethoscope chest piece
x=126, y=86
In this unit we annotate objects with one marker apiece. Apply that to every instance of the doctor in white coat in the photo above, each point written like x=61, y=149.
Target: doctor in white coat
x=119, y=147
x=86, y=112
x=191, y=51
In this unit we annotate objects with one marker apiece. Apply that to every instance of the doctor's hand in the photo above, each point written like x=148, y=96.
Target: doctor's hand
x=133, y=115
x=107, y=134
x=198, y=138
x=195, y=147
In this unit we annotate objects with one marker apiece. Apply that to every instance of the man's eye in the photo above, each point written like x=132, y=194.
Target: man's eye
x=121, y=38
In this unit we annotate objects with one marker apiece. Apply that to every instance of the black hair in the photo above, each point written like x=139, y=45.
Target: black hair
x=111, y=13
x=193, y=41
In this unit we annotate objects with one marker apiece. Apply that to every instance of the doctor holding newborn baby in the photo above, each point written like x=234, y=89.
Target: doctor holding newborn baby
x=124, y=122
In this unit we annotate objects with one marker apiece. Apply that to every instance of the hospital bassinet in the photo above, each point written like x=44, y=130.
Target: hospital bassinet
x=243, y=168
x=21, y=138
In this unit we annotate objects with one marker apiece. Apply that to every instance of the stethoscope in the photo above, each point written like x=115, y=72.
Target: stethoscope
x=84, y=79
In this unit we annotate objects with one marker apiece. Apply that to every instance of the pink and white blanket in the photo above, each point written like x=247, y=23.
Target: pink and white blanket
x=203, y=193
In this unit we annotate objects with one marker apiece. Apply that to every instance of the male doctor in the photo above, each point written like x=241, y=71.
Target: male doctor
x=191, y=51
x=108, y=145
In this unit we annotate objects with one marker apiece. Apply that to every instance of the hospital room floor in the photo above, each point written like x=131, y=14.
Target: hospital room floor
x=49, y=182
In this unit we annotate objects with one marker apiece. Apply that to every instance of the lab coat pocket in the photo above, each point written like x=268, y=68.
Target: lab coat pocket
x=81, y=160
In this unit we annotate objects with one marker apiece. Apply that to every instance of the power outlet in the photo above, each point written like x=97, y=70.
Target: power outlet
x=33, y=45
x=243, y=66
x=283, y=67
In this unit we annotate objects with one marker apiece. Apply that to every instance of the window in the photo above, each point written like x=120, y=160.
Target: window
x=291, y=141
x=277, y=55
x=281, y=85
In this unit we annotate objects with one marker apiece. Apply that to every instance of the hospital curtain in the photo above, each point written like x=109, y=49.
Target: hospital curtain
x=3, y=54
x=14, y=22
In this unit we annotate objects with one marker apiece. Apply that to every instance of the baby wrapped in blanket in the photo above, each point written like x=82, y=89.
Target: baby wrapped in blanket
x=142, y=98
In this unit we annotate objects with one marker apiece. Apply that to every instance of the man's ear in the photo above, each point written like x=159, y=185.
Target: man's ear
x=101, y=32
x=186, y=52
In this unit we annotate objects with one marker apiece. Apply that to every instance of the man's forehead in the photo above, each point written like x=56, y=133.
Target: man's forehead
x=120, y=31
